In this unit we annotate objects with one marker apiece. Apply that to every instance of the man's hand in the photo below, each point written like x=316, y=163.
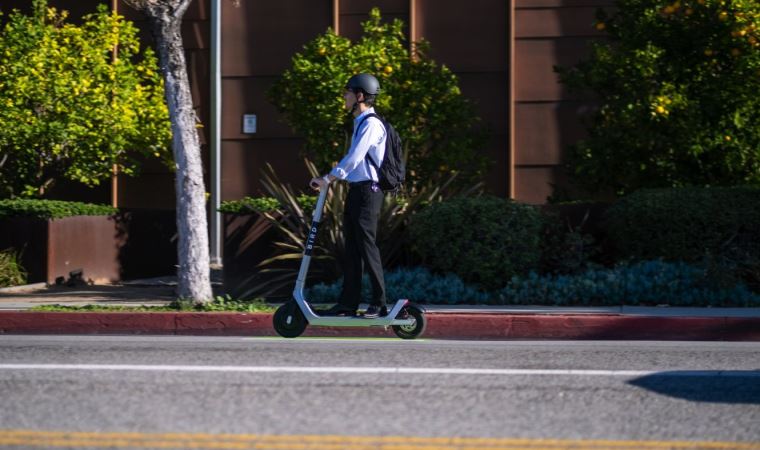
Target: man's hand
x=319, y=183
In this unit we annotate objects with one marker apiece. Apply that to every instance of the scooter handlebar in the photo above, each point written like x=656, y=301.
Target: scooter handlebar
x=317, y=215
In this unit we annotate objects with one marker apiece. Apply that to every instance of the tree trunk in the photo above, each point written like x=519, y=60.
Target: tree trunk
x=193, y=252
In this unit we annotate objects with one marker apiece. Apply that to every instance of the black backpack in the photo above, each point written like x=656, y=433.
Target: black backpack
x=392, y=170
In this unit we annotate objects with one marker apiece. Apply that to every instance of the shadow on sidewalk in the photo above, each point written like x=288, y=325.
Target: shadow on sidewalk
x=91, y=294
x=160, y=290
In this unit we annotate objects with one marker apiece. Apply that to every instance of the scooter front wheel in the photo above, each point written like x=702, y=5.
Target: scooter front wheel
x=417, y=328
x=289, y=321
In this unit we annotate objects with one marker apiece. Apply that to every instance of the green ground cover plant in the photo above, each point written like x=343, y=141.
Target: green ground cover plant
x=646, y=283
x=219, y=304
x=415, y=283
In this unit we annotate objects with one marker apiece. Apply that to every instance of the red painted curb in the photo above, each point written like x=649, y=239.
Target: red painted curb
x=440, y=325
x=503, y=326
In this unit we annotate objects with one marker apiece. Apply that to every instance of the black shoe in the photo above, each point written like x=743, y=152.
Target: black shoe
x=373, y=312
x=338, y=310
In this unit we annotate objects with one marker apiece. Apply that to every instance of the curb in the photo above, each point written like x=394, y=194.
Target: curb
x=440, y=326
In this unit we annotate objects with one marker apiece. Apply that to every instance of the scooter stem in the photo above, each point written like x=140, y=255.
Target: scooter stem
x=309, y=245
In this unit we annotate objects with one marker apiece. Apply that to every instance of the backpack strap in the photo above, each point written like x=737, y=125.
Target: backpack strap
x=368, y=156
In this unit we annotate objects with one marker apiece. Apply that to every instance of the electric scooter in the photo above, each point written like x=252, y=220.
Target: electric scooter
x=291, y=319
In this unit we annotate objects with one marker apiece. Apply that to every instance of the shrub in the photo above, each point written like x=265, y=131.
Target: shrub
x=11, y=272
x=248, y=205
x=643, y=283
x=737, y=260
x=68, y=108
x=676, y=84
x=438, y=126
x=566, y=248
x=416, y=284
x=484, y=240
x=51, y=209
x=683, y=223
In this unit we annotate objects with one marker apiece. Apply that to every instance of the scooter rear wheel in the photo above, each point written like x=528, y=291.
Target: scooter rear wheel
x=411, y=331
x=289, y=321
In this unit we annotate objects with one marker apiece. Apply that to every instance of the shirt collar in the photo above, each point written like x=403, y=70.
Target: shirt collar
x=361, y=116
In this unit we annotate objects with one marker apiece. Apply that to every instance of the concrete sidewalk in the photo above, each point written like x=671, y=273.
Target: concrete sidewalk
x=444, y=321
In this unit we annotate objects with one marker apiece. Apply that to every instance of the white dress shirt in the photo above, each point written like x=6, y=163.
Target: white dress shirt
x=370, y=137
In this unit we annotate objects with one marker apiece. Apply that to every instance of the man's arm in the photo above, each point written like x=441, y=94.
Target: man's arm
x=370, y=135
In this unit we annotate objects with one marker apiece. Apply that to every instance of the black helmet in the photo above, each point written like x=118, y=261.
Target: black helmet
x=364, y=82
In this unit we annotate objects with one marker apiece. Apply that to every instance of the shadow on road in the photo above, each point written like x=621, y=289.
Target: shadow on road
x=731, y=386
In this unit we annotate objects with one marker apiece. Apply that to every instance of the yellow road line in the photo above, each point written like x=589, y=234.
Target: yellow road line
x=331, y=442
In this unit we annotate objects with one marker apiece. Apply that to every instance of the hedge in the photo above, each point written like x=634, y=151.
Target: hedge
x=683, y=224
x=250, y=205
x=483, y=240
x=51, y=209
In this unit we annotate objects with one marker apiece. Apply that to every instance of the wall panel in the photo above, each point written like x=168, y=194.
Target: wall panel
x=487, y=91
x=248, y=95
x=261, y=36
x=469, y=36
x=555, y=22
x=242, y=162
x=535, y=183
x=548, y=33
x=472, y=39
x=259, y=39
x=535, y=78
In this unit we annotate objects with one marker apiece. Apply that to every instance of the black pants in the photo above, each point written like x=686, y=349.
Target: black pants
x=360, y=216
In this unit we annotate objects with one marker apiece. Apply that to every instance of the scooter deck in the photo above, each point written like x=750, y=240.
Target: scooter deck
x=355, y=321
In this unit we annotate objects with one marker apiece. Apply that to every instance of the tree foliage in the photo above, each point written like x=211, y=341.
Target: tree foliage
x=422, y=100
x=677, y=85
x=67, y=108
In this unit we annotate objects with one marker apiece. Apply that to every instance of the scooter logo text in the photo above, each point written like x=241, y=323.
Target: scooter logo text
x=312, y=237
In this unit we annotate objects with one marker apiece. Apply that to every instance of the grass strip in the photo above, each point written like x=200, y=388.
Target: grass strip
x=219, y=304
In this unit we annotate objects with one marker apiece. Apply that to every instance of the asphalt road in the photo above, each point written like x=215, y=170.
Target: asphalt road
x=77, y=392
